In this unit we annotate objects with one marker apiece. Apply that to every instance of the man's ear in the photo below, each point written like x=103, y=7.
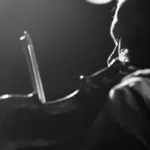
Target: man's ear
x=99, y=1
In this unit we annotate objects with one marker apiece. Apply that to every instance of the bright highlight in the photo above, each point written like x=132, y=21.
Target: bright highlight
x=99, y=1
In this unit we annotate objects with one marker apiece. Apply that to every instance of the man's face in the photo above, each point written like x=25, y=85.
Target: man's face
x=131, y=24
x=114, y=31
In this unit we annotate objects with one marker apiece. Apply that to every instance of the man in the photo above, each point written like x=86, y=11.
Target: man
x=60, y=124
x=124, y=122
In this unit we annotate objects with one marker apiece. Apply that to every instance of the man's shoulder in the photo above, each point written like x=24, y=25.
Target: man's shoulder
x=136, y=84
x=134, y=79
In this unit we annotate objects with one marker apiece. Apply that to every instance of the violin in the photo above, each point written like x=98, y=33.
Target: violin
x=31, y=120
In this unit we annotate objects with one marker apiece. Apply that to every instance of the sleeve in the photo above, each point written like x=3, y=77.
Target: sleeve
x=130, y=104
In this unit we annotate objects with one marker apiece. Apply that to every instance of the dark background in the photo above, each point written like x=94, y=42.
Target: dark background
x=71, y=37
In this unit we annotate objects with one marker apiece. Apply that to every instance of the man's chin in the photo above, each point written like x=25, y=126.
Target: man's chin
x=98, y=1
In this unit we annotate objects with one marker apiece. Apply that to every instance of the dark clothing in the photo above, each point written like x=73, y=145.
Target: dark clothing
x=26, y=122
x=124, y=123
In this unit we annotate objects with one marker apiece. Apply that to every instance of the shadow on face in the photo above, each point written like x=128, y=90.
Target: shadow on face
x=131, y=25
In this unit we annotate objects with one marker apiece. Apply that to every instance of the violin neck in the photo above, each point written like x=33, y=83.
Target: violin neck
x=34, y=69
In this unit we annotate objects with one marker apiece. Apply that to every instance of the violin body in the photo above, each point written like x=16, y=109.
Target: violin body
x=26, y=122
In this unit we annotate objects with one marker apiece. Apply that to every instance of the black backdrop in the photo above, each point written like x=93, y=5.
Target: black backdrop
x=71, y=37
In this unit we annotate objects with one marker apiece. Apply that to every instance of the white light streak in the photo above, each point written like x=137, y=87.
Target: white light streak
x=99, y=1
